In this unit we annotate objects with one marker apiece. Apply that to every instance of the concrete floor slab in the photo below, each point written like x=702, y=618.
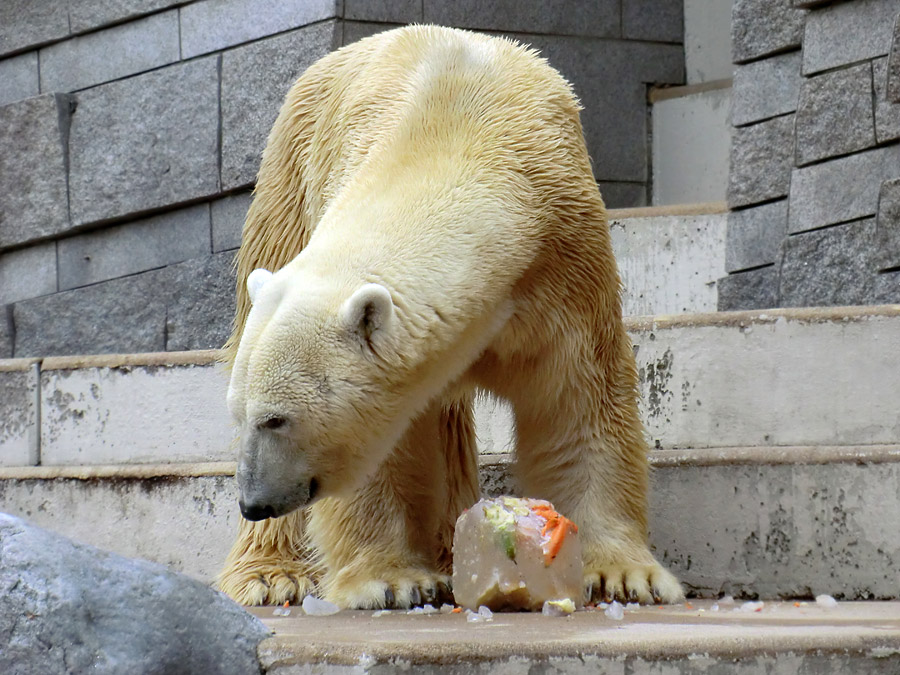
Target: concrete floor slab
x=783, y=637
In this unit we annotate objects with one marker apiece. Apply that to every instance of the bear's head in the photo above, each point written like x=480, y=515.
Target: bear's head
x=314, y=389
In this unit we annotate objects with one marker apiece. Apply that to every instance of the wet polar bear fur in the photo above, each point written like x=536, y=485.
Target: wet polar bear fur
x=427, y=206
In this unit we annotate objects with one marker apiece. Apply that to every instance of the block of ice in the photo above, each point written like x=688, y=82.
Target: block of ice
x=511, y=553
x=826, y=601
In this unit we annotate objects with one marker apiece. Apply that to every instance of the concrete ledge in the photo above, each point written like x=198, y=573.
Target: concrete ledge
x=200, y=357
x=701, y=209
x=805, y=315
x=779, y=639
x=657, y=94
x=119, y=471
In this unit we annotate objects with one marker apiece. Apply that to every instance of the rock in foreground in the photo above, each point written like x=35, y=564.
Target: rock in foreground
x=511, y=553
x=72, y=608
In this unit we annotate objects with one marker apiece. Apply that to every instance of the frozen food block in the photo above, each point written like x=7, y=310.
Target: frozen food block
x=511, y=553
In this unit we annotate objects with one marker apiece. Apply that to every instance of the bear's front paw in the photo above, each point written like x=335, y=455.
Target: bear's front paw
x=265, y=583
x=399, y=588
x=631, y=582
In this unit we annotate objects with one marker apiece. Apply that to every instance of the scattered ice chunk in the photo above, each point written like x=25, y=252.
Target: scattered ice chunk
x=562, y=607
x=312, y=606
x=379, y=613
x=826, y=601
x=615, y=611
x=726, y=600
x=424, y=609
x=485, y=613
x=752, y=606
x=633, y=606
x=511, y=553
x=447, y=609
x=715, y=607
x=281, y=611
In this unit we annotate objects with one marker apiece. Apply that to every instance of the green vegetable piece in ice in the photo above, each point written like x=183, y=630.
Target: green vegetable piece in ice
x=504, y=524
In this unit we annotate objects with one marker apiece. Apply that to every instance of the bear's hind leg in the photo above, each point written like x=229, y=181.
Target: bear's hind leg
x=268, y=563
x=389, y=545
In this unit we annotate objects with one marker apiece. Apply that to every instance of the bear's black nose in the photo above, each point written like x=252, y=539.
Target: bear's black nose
x=257, y=511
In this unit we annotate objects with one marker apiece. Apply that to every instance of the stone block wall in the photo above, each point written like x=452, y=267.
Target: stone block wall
x=815, y=156
x=131, y=131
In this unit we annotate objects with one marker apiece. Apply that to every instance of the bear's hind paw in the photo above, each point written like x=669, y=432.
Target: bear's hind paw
x=632, y=582
x=265, y=585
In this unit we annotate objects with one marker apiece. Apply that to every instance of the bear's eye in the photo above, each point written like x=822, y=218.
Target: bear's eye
x=272, y=423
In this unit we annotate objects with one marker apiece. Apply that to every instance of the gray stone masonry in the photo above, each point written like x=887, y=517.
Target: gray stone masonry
x=654, y=20
x=847, y=32
x=255, y=80
x=210, y=25
x=887, y=113
x=893, y=74
x=353, y=31
x=27, y=23
x=200, y=302
x=761, y=160
x=601, y=18
x=86, y=60
x=887, y=237
x=754, y=235
x=85, y=15
x=19, y=416
x=754, y=289
x=835, y=115
x=120, y=316
x=72, y=608
x=184, y=306
x=385, y=11
x=887, y=289
x=19, y=78
x=145, y=142
x=841, y=257
x=135, y=247
x=33, y=137
x=765, y=88
x=609, y=77
x=228, y=215
x=621, y=195
x=763, y=27
x=6, y=332
x=840, y=190
x=27, y=273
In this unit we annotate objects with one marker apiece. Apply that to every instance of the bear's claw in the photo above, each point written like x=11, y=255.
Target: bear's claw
x=399, y=589
x=266, y=585
x=632, y=582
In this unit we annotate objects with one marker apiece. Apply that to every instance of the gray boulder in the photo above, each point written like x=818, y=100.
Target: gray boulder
x=71, y=608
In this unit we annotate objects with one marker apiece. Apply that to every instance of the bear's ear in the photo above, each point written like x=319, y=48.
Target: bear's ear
x=369, y=309
x=257, y=280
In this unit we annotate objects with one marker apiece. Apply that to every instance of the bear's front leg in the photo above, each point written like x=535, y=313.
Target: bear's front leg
x=268, y=563
x=389, y=546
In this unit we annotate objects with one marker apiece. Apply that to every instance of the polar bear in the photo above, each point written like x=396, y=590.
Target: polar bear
x=426, y=225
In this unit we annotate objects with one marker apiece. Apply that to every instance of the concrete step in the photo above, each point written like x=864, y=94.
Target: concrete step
x=770, y=522
x=788, y=377
x=670, y=258
x=780, y=639
x=691, y=142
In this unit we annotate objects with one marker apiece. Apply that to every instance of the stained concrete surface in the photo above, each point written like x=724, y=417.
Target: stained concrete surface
x=782, y=637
